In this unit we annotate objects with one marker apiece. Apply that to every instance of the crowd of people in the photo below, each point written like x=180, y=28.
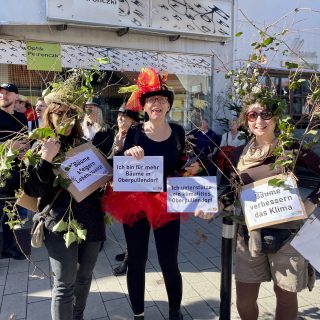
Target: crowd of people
x=143, y=212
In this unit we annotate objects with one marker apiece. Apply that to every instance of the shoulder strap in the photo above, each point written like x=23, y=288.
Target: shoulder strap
x=176, y=135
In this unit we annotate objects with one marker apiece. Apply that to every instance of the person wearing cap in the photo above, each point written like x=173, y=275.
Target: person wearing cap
x=125, y=119
x=142, y=211
x=94, y=127
x=11, y=124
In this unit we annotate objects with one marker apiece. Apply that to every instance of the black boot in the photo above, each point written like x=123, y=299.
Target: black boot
x=138, y=317
x=122, y=268
x=175, y=315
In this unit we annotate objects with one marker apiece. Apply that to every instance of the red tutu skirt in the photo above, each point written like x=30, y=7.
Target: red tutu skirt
x=129, y=207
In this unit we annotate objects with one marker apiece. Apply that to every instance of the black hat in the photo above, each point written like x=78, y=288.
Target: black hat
x=94, y=100
x=131, y=114
x=163, y=92
x=10, y=87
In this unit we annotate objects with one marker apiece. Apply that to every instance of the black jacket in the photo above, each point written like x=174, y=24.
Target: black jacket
x=87, y=212
x=10, y=124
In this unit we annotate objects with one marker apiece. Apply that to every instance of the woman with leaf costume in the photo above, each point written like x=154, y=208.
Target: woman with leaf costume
x=73, y=231
x=265, y=254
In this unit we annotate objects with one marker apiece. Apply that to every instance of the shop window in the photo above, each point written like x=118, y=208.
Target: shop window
x=191, y=103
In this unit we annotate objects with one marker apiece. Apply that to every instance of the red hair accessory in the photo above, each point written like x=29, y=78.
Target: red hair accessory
x=149, y=80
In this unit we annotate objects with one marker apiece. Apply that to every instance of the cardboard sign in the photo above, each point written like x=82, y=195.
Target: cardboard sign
x=144, y=175
x=28, y=202
x=306, y=242
x=86, y=168
x=186, y=194
x=265, y=205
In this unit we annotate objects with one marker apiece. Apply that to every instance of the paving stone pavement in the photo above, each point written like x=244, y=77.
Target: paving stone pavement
x=25, y=286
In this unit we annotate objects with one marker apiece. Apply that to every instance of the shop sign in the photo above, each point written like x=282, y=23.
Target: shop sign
x=43, y=56
x=84, y=11
x=204, y=17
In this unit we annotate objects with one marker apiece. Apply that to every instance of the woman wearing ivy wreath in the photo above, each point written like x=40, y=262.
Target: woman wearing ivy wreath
x=254, y=262
x=72, y=263
x=141, y=211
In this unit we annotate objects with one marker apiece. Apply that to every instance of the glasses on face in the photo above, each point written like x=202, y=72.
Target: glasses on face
x=161, y=100
x=253, y=115
x=60, y=113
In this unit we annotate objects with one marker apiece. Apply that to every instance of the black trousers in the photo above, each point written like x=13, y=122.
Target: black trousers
x=167, y=244
x=7, y=233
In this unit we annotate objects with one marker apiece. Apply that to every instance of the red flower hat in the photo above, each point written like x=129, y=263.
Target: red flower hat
x=149, y=83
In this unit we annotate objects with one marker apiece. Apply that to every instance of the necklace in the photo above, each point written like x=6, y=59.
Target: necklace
x=258, y=152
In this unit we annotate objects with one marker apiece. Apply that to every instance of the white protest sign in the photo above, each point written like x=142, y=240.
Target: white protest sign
x=84, y=169
x=87, y=170
x=306, y=242
x=138, y=175
x=265, y=205
x=186, y=194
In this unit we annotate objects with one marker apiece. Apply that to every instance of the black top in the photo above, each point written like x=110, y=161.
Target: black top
x=103, y=140
x=10, y=124
x=171, y=149
x=87, y=212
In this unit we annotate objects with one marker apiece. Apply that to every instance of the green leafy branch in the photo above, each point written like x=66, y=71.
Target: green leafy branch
x=71, y=229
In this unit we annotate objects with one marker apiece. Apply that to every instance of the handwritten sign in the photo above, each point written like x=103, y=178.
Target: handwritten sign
x=265, y=205
x=86, y=168
x=138, y=175
x=186, y=194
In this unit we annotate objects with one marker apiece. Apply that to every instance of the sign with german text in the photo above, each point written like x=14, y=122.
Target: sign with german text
x=265, y=205
x=86, y=169
x=144, y=175
x=186, y=194
x=43, y=56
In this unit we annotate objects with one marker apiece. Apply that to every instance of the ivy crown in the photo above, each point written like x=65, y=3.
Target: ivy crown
x=267, y=99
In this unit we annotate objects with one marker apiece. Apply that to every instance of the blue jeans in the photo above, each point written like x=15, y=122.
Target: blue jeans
x=72, y=273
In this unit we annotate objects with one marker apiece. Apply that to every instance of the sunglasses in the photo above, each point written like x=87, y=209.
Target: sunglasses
x=60, y=114
x=253, y=115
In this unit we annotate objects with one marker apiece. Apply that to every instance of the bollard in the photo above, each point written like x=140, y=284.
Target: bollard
x=226, y=268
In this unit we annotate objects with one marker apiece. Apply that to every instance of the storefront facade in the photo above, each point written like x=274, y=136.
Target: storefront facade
x=181, y=38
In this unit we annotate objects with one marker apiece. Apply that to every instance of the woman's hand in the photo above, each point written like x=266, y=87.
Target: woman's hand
x=193, y=169
x=50, y=149
x=22, y=146
x=204, y=215
x=136, y=152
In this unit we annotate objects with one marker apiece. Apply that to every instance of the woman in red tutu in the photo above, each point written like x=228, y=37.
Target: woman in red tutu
x=141, y=211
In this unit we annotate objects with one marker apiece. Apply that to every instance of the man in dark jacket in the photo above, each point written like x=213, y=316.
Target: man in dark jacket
x=205, y=142
x=11, y=122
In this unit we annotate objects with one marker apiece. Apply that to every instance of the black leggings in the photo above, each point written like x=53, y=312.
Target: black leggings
x=167, y=244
